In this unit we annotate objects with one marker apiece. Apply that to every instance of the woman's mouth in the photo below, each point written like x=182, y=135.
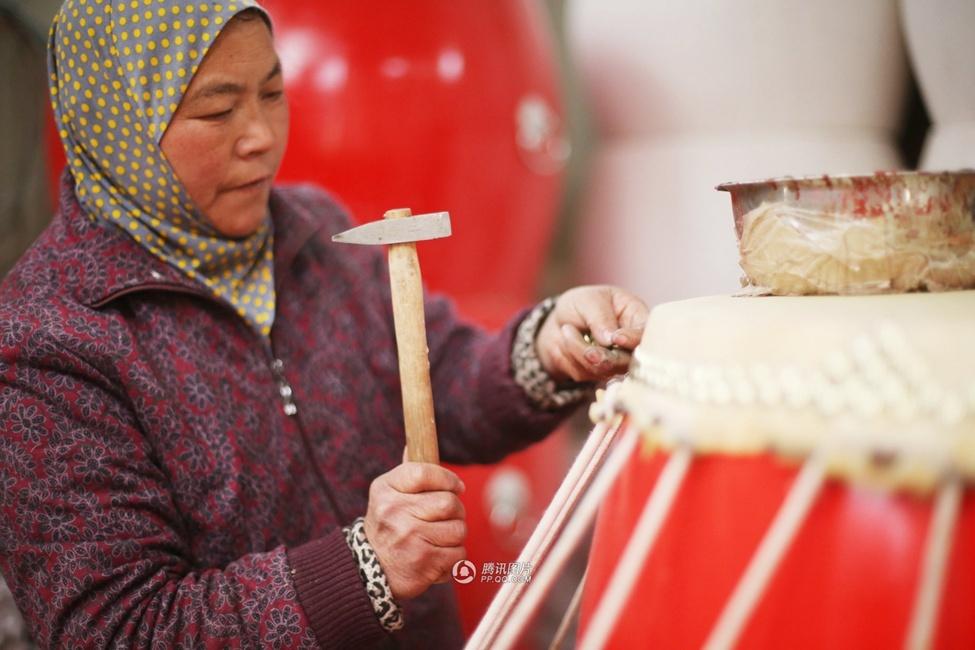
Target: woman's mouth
x=255, y=184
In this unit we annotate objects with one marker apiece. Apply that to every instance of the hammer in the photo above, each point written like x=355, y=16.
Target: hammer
x=401, y=232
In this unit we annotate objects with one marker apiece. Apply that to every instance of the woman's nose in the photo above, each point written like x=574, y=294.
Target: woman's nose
x=257, y=137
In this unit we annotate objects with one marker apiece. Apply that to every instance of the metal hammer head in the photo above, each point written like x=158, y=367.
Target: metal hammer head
x=435, y=225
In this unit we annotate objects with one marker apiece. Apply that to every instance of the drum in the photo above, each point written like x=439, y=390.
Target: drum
x=775, y=472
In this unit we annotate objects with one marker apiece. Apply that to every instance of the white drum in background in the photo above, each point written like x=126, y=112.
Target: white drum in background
x=686, y=95
x=941, y=45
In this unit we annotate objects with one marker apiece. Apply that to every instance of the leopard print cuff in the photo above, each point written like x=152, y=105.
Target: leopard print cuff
x=377, y=586
x=528, y=370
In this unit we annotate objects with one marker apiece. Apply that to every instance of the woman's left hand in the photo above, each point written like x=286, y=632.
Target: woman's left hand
x=612, y=318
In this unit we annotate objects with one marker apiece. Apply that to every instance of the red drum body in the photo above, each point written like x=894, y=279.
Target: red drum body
x=848, y=579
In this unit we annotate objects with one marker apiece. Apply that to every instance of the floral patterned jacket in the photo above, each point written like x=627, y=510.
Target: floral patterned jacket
x=168, y=478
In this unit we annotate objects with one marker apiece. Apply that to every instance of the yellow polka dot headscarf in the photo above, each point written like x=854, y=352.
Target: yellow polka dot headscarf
x=119, y=69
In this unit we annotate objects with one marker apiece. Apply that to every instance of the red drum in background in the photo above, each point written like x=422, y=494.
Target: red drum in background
x=848, y=579
x=434, y=105
x=56, y=159
x=443, y=105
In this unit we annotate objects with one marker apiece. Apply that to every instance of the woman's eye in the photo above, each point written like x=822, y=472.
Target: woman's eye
x=217, y=116
x=273, y=95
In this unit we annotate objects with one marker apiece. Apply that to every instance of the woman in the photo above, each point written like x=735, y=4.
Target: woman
x=199, y=407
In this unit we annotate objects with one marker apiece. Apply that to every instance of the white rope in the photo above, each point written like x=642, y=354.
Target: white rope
x=641, y=543
x=752, y=584
x=576, y=527
x=590, y=457
x=937, y=547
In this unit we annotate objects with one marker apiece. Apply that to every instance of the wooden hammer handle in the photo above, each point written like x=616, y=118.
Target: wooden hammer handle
x=411, y=344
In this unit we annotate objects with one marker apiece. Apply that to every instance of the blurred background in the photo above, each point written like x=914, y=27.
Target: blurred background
x=573, y=141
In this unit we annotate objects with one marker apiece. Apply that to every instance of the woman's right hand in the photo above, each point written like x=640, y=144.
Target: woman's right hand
x=415, y=523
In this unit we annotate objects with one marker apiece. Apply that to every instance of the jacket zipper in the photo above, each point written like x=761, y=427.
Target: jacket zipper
x=284, y=388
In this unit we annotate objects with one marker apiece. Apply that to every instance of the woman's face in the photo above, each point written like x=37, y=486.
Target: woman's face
x=226, y=139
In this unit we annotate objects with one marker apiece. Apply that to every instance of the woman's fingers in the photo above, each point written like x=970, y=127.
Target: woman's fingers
x=435, y=506
x=632, y=311
x=589, y=361
x=595, y=313
x=450, y=533
x=413, y=478
x=570, y=354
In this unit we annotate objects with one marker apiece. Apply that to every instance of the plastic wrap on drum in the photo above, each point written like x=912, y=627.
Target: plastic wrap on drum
x=885, y=233
x=790, y=250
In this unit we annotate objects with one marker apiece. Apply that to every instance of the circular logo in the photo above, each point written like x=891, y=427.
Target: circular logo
x=464, y=572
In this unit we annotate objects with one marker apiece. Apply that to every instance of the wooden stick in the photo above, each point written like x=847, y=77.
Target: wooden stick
x=411, y=344
x=577, y=480
x=572, y=535
x=937, y=547
x=571, y=613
